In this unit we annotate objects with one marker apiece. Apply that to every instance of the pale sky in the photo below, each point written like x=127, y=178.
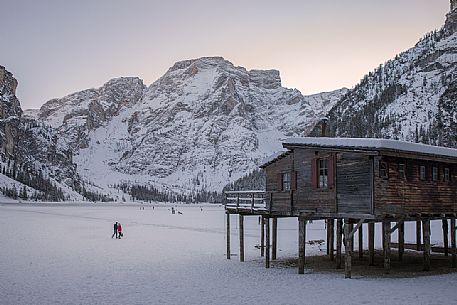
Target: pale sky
x=57, y=47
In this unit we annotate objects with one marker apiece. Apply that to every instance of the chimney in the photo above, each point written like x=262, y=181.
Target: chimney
x=324, y=122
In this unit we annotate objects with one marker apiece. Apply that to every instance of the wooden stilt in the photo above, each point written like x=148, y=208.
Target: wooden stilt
x=301, y=245
x=339, y=241
x=418, y=235
x=401, y=241
x=275, y=238
x=427, y=246
x=351, y=227
x=262, y=237
x=228, y=235
x=453, y=243
x=327, y=227
x=331, y=244
x=386, y=245
x=267, y=245
x=371, y=229
x=348, y=247
x=361, y=242
x=446, y=237
x=241, y=230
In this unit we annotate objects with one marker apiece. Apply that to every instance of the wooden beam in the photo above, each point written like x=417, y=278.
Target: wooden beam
x=386, y=245
x=275, y=238
x=339, y=241
x=371, y=233
x=446, y=237
x=348, y=247
x=396, y=227
x=301, y=244
x=262, y=236
x=267, y=239
x=331, y=244
x=401, y=240
x=418, y=235
x=427, y=245
x=228, y=235
x=361, y=242
x=353, y=230
x=241, y=230
x=453, y=243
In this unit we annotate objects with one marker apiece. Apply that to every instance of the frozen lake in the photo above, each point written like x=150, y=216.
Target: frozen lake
x=65, y=255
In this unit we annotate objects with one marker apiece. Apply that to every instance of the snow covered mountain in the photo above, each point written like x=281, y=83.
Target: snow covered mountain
x=411, y=97
x=203, y=124
x=32, y=162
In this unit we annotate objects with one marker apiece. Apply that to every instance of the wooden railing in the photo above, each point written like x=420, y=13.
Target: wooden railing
x=245, y=201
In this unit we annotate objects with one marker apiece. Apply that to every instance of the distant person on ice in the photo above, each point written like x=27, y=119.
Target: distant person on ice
x=119, y=231
x=115, y=230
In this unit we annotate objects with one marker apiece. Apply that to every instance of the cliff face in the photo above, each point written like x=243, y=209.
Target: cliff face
x=31, y=159
x=75, y=115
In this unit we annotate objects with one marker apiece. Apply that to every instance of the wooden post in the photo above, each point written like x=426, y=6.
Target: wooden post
x=401, y=241
x=228, y=236
x=327, y=227
x=446, y=237
x=275, y=238
x=386, y=245
x=267, y=239
x=361, y=242
x=453, y=243
x=427, y=246
x=241, y=230
x=348, y=247
x=262, y=237
x=351, y=227
x=339, y=241
x=301, y=244
x=418, y=235
x=331, y=244
x=371, y=229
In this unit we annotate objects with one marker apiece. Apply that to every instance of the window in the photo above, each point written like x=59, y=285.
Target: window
x=383, y=170
x=435, y=173
x=447, y=175
x=286, y=181
x=402, y=171
x=422, y=173
x=323, y=173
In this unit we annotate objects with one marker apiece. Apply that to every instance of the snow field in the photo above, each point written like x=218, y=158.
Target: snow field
x=60, y=254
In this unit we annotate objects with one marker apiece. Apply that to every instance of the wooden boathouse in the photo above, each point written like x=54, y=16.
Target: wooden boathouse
x=349, y=182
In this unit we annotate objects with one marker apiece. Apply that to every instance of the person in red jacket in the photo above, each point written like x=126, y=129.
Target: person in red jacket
x=119, y=230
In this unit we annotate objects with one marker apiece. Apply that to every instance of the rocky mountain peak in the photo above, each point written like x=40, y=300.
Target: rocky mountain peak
x=9, y=104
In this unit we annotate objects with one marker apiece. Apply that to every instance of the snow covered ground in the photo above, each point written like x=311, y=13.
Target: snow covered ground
x=57, y=254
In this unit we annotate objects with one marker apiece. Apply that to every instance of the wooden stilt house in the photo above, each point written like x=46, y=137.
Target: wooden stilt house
x=357, y=181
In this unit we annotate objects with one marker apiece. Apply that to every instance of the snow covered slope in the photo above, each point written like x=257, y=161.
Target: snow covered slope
x=203, y=124
x=411, y=97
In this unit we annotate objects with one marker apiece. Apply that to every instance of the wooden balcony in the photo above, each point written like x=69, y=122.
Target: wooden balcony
x=245, y=202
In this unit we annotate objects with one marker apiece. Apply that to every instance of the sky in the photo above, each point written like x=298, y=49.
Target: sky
x=57, y=47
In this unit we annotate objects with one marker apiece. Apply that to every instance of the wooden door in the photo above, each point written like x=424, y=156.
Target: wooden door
x=354, y=183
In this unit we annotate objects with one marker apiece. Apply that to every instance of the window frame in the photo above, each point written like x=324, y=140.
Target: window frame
x=423, y=173
x=383, y=170
x=435, y=174
x=402, y=171
x=286, y=183
x=322, y=173
x=447, y=174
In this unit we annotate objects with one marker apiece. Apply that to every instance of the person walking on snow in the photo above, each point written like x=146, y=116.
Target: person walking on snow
x=115, y=230
x=119, y=231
